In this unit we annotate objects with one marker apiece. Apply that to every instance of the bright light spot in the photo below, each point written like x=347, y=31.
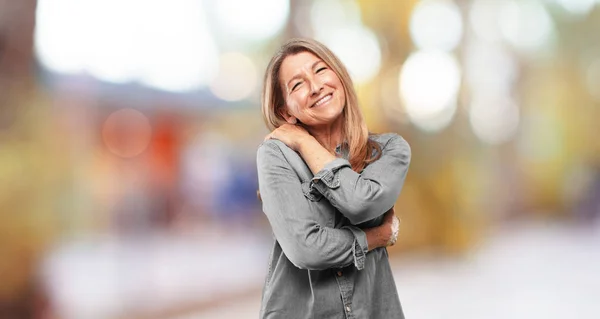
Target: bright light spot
x=493, y=120
x=593, y=79
x=429, y=84
x=237, y=77
x=436, y=24
x=526, y=24
x=253, y=20
x=109, y=53
x=489, y=68
x=484, y=19
x=59, y=44
x=338, y=25
x=327, y=14
x=118, y=42
x=391, y=104
x=180, y=53
x=126, y=132
x=577, y=7
x=358, y=48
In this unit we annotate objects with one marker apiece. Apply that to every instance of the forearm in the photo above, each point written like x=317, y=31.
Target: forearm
x=385, y=234
x=314, y=252
x=368, y=194
x=377, y=237
x=306, y=243
x=314, y=154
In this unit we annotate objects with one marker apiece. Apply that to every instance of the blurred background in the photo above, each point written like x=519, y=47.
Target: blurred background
x=129, y=129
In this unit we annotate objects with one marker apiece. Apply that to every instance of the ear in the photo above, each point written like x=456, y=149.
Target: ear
x=287, y=116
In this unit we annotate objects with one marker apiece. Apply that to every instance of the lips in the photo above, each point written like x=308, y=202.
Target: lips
x=323, y=100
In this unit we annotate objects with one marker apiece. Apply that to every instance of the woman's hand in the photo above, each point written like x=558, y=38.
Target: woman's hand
x=290, y=135
x=390, y=220
x=386, y=234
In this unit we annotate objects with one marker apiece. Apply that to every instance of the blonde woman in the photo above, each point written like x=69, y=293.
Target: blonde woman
x=328, y=190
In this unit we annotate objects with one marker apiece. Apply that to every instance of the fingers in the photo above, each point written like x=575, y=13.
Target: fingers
x=395, y=228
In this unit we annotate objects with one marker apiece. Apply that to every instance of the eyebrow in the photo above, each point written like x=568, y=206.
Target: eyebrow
x=298, y=75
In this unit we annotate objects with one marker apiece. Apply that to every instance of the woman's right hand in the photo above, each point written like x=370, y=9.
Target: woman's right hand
x=291, y=135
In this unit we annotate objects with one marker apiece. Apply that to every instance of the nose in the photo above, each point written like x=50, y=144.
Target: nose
x=315, y=86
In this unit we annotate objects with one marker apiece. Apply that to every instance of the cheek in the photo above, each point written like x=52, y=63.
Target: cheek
x=342, y=94
x=334, y=79
x=293, y=107
x=298, y=100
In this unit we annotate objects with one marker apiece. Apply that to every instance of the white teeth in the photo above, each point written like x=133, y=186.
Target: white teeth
x=323, y=100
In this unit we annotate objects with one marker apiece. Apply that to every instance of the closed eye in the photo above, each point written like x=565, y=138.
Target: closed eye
x=296, y=85
x=321, y=69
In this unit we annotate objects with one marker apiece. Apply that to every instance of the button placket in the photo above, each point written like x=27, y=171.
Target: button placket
x=346, y=289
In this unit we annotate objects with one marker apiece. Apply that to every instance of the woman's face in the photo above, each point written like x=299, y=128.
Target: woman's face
x=313, y=93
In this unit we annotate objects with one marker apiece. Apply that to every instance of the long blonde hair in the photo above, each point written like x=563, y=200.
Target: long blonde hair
x=361, y=150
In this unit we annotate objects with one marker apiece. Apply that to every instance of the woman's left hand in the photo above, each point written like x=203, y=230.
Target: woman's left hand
x=290, y=135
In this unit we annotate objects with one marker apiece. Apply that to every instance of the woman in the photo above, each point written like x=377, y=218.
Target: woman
x=328, y=190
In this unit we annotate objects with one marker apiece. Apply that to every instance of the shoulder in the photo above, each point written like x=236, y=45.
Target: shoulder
x=270, y=148
x=390, y=140
x=393, y=146
x=274, y=151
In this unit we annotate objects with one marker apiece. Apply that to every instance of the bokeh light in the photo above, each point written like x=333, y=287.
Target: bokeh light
x=252, y=20
x=237, y=77
x=494, y=120
x=436, y=24
x=180, y=53
x=593, y=79
x=489, y=68
x=429, y=84
x=338, y=25
x=59, y=45
x=526, y=25
x=359, y=50
x=577, y=7
x=332, y=14
x=126, y=132
x=177, y=54
x=484, y=19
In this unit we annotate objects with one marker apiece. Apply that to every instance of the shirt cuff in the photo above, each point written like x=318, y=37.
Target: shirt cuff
x=360, y=246
x=327, y=174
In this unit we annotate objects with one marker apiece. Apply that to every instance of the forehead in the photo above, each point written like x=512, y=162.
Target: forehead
x=294, y=64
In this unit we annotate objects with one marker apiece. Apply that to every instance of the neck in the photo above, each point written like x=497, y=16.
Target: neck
x=330, y=136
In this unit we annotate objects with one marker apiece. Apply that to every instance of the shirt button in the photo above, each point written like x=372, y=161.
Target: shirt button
x=348, y=308
x=339, y=273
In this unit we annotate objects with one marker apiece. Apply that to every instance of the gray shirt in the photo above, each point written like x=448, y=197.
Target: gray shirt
x=319, y=266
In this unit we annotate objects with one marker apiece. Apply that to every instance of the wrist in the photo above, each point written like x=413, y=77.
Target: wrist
x=378, y=236
x=303, y=143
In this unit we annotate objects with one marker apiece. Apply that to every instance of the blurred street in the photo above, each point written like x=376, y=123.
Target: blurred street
x=529, y=271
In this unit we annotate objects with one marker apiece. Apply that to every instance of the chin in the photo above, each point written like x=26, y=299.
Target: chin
x=331, y=118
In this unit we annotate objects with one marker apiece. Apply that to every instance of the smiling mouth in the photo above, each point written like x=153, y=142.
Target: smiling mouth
x=323, y=100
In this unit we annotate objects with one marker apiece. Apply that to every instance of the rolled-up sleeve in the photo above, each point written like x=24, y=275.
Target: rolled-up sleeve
x=305, y=242
x=362, y=197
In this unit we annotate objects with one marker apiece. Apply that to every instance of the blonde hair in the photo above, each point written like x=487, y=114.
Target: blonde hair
x=361, y=149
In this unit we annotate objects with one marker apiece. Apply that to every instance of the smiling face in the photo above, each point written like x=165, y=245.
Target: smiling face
x=312, y=91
